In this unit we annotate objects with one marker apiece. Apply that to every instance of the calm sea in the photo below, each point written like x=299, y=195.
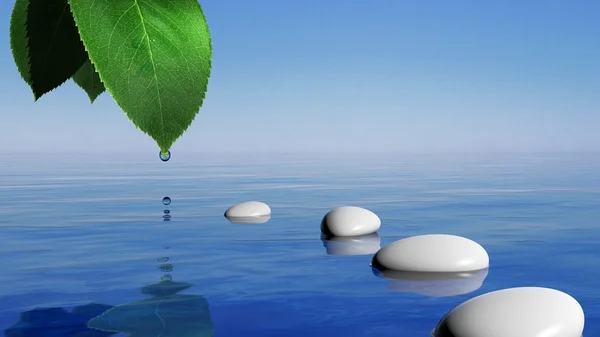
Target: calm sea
x=82, y=235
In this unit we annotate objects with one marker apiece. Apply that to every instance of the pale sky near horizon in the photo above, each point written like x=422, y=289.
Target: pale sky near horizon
x=349, y=75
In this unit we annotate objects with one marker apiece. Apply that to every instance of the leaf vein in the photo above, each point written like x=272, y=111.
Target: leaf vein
x=115, y=27
x=162, y=118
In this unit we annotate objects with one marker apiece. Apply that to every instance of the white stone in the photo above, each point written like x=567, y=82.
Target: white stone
x=432, y=253
x=352, y=245
x=248, y=209
x=350, y=221
x=434, y=284
x=249, y=219
x=515, y=312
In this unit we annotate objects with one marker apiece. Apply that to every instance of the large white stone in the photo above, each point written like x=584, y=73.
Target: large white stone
x=350, y=221
x=433, y=284
x=248, y=209
x=432, y=253
x=515, y=312
x=352, y=245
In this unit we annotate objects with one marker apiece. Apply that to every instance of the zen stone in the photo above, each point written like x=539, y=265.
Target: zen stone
x=248, y=209
x=515, y=312
x=352, y=245
x=438, y=253
x=350, y=221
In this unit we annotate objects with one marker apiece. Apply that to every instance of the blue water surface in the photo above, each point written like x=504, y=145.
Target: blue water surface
x=83, y=234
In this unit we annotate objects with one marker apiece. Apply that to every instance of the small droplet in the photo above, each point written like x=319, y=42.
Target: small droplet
x=166, y=201
x=163, y=259
x=166, y=211
x=166, y=219
x=167, y=216
x=164, y=157
x=167, y=277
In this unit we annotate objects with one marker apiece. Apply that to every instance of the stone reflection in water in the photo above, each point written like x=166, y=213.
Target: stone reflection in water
x=165, y=314
x=58, y=322
x=433, y=284
x=248, y=220
x=351, y=245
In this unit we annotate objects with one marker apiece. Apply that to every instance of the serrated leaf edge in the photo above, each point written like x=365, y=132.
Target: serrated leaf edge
x=93, y=71
x=11, y=24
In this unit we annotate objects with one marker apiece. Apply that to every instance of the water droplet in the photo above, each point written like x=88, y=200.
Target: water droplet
x=166, y=211
x=166, y=219
x=166, y=201
x=166, y=277
x=166, y=216
x=163, y=259
x=164, y=157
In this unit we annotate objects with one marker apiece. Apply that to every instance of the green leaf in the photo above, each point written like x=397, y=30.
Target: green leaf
x=154, y=58
x=18, y=38
x=45, y=43
x=89, y=80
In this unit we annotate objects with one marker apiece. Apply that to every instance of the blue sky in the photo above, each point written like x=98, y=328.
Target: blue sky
x=349, y=75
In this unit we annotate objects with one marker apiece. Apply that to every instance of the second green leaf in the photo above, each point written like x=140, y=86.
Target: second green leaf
x=89, y=80
x=45, y=43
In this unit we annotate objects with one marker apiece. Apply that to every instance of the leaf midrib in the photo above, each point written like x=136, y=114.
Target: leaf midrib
x=162, y=117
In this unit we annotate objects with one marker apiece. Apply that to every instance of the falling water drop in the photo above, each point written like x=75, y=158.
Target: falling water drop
x=164, y=157
x=166, y=201
x=167, y=277
x=166, y=211
x=167, y=216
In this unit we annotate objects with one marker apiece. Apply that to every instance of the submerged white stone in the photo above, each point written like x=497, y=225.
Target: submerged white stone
x=350, y=221
x=432, y=253
x=515, y=312
x=248, y=209
x=435, y=284
x=352, y=245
